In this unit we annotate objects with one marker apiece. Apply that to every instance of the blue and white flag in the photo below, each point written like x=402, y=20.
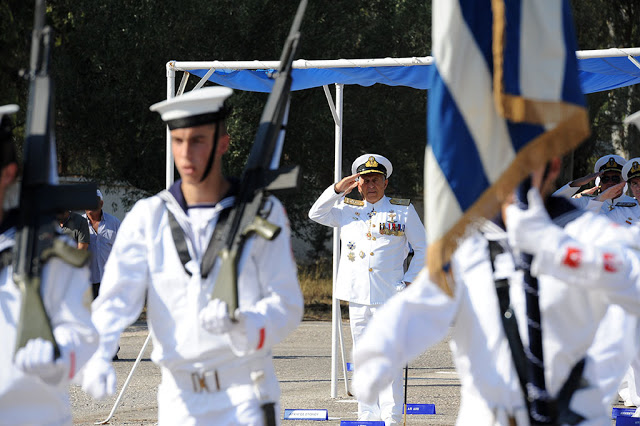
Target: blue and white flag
x=505, y=99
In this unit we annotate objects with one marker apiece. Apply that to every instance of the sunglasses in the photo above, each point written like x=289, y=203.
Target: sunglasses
x=612, y=179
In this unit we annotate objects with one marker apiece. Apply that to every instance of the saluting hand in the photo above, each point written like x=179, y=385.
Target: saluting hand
x=346, y=184
x=584, y=179
x=614, y=192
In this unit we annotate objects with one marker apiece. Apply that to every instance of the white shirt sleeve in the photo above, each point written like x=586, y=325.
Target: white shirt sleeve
x=417, y=237
x=596, y=254
x=280, y=309
x=65, y=295
x=324, y=210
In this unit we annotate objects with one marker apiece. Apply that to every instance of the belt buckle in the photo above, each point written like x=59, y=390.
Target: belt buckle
x=199, y=381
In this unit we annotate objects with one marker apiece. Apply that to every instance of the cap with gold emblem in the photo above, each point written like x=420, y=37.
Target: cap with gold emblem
x=609, y=163
x=631, y=169
x=372, y=163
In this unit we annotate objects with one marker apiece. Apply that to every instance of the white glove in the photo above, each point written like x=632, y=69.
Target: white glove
x=215, y=317
x=36, y=358
x=243, y=333
x=400, y=286
x=370, y=378
x=528, y=229
x=99, y=378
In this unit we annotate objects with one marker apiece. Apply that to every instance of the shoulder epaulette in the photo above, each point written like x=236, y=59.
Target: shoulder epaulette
x=626, y=204
x=353, y=202
x=586, y=195
x=400, y=201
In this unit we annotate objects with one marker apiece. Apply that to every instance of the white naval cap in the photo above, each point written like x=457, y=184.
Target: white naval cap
x=609, y=163
x=633, y=119
x=372, y=163
x=194, y=108
x=8, y=109
x=631, y=169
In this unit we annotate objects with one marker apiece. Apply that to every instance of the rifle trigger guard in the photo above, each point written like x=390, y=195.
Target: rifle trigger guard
x=264, y=228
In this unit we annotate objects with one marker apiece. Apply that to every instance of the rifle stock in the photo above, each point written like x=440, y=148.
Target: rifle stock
x=41, y=197
x=247, y=216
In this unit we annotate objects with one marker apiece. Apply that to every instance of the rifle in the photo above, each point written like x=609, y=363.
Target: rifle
x=260, y=175
x=41, y=197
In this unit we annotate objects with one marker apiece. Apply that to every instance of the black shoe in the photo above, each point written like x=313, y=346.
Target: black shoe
x=115, y=357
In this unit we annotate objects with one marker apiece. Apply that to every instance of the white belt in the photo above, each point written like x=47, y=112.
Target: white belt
x=213, y=380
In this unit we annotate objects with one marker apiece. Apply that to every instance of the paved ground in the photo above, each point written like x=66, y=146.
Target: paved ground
x=303, y=364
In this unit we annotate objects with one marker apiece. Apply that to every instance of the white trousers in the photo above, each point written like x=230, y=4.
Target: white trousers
x=391, y=398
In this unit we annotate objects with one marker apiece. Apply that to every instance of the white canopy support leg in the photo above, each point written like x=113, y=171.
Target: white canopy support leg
x=183, y=83
x=171, y=90
x=204, y=79
x=338, y=120
x=336, y=320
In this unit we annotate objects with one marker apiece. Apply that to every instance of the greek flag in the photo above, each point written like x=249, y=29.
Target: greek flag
x=506, y=98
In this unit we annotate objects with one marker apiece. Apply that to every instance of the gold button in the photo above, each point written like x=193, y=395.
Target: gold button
x=371, y=254
x=370, y=269
x=374, y=238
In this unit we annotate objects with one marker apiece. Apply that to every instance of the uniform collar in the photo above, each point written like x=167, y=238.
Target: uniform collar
x=377, y=204
x=176, y=191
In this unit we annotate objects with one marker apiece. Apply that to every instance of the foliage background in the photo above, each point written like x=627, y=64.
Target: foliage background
x=110, y=56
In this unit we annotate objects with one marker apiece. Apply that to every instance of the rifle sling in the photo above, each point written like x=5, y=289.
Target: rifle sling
x=215, y=244
x=560, y=405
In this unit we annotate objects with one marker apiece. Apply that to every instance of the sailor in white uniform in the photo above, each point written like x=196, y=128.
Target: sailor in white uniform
x=376, y=236
x=215, y=370
x=491, y=391
x=608, y=193
x=34, y=384
x=612, y=347
x=619, y=325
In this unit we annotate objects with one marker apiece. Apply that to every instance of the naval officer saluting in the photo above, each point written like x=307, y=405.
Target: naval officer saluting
x=376, y=235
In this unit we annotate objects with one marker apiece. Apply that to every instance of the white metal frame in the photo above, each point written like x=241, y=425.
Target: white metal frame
x=336, y=111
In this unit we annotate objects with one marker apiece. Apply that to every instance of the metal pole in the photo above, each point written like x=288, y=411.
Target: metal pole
x=126, y=382
x=406, y=378
x=335, y=308
x=171, y=90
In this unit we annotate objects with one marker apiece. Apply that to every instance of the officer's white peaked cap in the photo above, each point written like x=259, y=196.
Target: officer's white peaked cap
x=193, y=108
x=372, y=163
x=8, y=109
x=609, y=162
x=631, y=169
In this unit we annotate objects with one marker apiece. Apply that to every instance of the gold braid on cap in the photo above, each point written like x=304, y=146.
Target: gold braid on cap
x=634, y=171
x=610, y=165
x=371, y=162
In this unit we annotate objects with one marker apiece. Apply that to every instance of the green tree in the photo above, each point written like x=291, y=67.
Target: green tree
x=602, y=24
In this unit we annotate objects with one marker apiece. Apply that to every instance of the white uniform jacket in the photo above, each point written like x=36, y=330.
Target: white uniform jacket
x=144, y=263
x=490, y=388
x=373, y=246
x=617, y=208
x=24, y=398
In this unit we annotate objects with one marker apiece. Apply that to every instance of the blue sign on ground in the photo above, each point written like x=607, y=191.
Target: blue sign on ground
x=304, y=414
x=349, y=366
x=421, y=409
x=627, y=412
x=361, y=423
x=627, y=421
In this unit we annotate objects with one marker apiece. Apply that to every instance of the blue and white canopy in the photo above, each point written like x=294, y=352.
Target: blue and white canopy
x=598, y=70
